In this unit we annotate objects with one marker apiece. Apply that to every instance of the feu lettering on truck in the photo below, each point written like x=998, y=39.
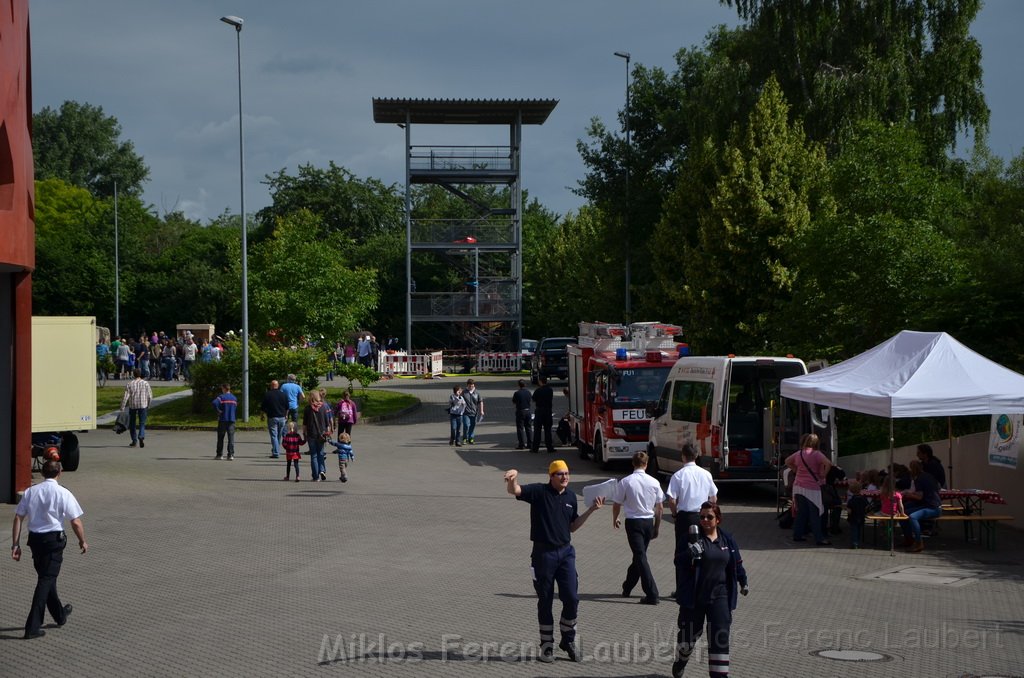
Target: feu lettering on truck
x=631, y=414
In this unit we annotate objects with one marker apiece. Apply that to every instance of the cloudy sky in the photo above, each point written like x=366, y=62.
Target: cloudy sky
x=166, y=69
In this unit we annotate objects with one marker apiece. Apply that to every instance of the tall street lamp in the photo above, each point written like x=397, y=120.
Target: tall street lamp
x=117, y=271
x=625, y=213
x=237, y=23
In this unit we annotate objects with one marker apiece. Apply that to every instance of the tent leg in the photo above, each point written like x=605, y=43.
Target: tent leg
x=892, y=478
x=949, y=432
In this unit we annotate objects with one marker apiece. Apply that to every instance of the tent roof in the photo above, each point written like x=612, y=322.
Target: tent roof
x=913, y=374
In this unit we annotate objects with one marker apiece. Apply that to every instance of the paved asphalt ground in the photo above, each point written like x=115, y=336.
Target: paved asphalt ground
x=419, y=567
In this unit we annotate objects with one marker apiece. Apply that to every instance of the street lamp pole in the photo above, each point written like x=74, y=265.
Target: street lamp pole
x=625, y=213
x=117, y=271
x=237, y=23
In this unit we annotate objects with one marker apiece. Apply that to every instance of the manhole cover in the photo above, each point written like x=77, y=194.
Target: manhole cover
x=926, y=574
x=852, y=655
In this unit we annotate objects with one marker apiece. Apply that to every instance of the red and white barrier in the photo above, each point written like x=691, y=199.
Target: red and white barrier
x=499, y=362
x=405, y=364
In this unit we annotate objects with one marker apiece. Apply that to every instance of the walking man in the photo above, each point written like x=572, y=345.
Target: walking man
x=474, y=410
x=641, y=496
x=137, y=398
x=554, y=516
x=543, y=403
x=688, y=489
x=226, y=405
x=364, y=349
x=45, y=507
x=275, y=407
x=521, y=401
x=295, y=394
x=188, y=357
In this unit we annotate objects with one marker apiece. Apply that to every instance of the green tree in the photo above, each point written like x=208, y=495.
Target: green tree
x=74, y=272
x=179, y=271
x=985, y=307
x=356, y=209
x=898, y=61
x=301, y=287
x=742, y=269
x=887, y=258
x=578, y=277
x=81, y=145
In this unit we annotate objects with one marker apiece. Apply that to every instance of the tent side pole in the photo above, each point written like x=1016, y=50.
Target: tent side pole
x=892, y=479
x=949, y=432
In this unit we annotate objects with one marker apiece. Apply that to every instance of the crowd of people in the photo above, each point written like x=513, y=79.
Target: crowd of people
x=156, y=355
x=820, y=492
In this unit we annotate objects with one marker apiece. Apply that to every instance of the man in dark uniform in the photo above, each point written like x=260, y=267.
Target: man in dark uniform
x=543, y=403
x=554, y=515
x=521, y=401
x=46, y=506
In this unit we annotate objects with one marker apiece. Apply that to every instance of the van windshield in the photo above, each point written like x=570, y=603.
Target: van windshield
x=639, y=385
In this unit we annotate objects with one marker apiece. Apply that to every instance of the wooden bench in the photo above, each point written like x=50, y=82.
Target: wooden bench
x=987, y=523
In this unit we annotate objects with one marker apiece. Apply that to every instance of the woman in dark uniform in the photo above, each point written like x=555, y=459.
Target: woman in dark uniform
x=708, y=578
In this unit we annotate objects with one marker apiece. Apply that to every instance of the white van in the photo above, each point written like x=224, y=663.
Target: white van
x=730, y=408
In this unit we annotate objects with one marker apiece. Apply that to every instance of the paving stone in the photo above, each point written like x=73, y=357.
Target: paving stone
x=419, y=566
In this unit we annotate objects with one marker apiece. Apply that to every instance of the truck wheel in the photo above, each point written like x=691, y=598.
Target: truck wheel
x=583, y=448
x=652, y=463
x=69, y=452
x=599, y=452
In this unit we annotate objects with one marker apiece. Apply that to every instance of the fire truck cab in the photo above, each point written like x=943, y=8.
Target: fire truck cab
x=731, y=409
x=616, y=374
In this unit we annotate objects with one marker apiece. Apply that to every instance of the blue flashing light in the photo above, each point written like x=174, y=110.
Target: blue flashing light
x=684, y=350
x=621, y=354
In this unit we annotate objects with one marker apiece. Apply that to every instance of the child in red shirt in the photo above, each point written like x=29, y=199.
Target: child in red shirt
x=291, y=443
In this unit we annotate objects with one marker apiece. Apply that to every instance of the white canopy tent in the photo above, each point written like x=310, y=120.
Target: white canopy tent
x=913, y=374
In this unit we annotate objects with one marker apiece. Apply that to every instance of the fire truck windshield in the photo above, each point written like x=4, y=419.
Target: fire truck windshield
x=639, y=385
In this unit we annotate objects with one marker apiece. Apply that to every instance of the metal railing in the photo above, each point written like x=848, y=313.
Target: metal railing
x=464, y=233
x=465, y=304
x=461, y=158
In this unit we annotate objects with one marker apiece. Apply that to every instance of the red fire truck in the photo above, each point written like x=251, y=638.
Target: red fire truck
x=615, y=373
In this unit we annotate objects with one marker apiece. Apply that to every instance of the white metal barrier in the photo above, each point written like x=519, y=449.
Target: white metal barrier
x=405, y=364
x=499, y=362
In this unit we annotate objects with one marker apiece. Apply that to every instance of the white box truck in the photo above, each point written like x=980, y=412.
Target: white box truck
x=63, y=384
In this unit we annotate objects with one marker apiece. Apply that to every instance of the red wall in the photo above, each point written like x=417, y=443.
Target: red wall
x=17, y=217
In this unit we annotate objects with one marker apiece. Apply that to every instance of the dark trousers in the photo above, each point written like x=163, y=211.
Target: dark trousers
x=137, y=415
x=542, y=421
x=691, y=625
x=639, y=532
x=47, y=557
x=228, y=428
x=807, y=520
x=551, y=566
x=524, y=429
x=683, y=521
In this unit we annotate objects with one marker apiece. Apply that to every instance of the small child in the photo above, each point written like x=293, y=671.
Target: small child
x=345, y=454
x=892, y=502
x=291, y=443
x=856, y=509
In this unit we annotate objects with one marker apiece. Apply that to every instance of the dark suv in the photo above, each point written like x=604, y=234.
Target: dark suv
x=551, y=358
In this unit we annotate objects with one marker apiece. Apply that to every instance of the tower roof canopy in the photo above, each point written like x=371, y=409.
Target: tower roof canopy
x=463, y=111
